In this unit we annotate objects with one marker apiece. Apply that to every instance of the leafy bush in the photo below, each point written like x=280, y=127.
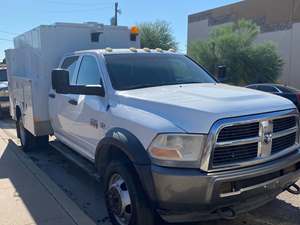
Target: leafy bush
x=157, y=34
x=233, y=45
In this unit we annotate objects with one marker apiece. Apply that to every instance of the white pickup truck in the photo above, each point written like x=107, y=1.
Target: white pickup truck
x=169, y=140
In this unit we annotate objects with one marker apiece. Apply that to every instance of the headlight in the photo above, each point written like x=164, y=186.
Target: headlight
x=175, y=149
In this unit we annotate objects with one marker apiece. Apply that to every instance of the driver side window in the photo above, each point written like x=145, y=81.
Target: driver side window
x=88, y=73
x=70, y=65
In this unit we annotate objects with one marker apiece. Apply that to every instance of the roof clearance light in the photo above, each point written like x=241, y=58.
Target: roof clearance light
x=134, y=30
x=133, y=49
x=108, y=49
x=159, y=49
x=147, y=50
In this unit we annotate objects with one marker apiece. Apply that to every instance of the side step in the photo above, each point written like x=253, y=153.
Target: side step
x=77, y=159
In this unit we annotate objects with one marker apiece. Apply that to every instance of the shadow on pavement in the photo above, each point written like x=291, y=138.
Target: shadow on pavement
x=26, y=200
x=86, y=192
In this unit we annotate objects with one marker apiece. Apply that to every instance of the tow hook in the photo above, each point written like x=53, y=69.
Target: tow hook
x=226, y=213
x=294, y=189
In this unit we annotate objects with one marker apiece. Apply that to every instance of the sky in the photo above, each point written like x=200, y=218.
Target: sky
x=18, y=16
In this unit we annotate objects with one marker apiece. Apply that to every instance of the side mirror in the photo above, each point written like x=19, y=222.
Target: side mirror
x=222, y=73
x=61, y=84
x=60, y=81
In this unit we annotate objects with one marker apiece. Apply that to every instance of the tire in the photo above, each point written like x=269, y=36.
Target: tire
x=26, y=138
x=121, y=180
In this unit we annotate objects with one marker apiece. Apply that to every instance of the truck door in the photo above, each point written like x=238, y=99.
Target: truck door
x=58, y=103
x=85, y=116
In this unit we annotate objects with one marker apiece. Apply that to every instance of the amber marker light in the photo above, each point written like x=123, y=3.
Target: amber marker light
x=165, y=153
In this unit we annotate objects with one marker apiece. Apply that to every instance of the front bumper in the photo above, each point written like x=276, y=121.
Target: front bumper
x=187, y=195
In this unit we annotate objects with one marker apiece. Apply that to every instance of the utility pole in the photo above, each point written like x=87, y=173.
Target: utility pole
x=114, y=19
x=116, y=13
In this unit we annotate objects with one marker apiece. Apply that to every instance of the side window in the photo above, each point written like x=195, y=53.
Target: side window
x=70, y=65
x=89, y=73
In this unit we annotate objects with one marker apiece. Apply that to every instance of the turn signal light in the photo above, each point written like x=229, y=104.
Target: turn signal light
x=165, y=153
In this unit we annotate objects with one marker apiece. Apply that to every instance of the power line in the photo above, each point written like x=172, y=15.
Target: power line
x=7, y=32
x=4, y=39
x=80, y=10
x=79, y=3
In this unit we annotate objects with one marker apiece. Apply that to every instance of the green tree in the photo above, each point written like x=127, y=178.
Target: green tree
x=157, y=34
x=233, y=45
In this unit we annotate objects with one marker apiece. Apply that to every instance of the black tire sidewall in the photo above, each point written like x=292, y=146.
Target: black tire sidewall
x=142, y=214
x=27, y=142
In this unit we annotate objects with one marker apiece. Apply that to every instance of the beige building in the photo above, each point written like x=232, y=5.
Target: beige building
x=279, y=21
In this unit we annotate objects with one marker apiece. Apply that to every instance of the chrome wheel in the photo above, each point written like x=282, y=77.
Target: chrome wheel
x=119, y=200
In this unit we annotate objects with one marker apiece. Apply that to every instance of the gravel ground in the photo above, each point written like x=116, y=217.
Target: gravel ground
x=88, y=193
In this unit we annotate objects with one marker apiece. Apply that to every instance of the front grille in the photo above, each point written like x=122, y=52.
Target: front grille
x=252, y=141
x=233, y=154
x=239, y=132
x=282, y=143
x=284, y=124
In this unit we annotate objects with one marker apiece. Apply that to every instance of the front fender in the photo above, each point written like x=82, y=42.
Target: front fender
x=129, y=144
x=124, y=141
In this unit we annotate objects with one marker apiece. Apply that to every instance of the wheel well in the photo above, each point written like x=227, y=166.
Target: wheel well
x=111, y=153
x=18, y=112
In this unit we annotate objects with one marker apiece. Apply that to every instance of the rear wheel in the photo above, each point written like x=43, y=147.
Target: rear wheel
x=125, y=198
x=26, y=138
x=28, y=141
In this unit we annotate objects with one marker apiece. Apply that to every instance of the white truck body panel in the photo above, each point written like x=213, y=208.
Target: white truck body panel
x=146, y=112
x=40, y=50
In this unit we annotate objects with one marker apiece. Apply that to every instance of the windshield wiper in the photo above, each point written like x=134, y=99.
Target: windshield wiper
x=141, y=86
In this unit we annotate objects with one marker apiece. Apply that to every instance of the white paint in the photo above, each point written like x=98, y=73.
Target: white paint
x=147, y=112
x=40, y=50
x=191, y=108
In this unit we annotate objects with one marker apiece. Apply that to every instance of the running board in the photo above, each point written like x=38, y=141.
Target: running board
x=75, y=158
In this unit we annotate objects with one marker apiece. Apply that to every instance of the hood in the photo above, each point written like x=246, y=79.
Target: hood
x=195, y=107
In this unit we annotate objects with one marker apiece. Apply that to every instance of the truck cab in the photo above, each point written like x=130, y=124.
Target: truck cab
x=169, y=141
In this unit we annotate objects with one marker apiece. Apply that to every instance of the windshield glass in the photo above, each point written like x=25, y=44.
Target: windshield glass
x=3, y=75
x=132, y=71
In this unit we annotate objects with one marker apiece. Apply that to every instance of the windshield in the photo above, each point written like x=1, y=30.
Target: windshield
x=3, y=75
x=132, y=71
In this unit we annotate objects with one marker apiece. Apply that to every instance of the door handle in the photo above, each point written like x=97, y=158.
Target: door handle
x=52, y=95
x=73, y=102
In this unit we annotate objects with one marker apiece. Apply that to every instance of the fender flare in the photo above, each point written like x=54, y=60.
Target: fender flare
x=124, y=141
x=130, y=146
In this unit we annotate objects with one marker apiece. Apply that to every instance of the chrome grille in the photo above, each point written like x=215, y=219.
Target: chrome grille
x=238, y=132
x=257, y=140
x=284, y=142
x=284, y=124
x=223, y=155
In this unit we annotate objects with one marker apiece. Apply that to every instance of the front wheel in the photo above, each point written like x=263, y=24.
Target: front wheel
x=125, y=198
